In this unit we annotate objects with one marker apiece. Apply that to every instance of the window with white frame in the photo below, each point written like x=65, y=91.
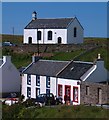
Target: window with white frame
x=38, y=35
x=29, y=79
x=47, y=91
x=59, y=90
x=49, y=35
x=37, y=80
x=75, y=94
x=48, y=82
x=29, y=92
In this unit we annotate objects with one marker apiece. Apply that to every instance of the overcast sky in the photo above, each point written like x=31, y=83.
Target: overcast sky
x=92, y=15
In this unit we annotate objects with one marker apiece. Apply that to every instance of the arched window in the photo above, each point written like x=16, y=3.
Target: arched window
x=49, y=35
x=75, y=32
x=30, y=40
x=38, y=35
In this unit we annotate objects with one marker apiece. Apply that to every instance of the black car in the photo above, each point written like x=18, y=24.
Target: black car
x=48, y=99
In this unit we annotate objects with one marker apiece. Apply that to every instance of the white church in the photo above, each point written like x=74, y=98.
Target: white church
x=53, y=31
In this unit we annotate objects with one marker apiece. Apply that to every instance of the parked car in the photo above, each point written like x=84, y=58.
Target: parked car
x=48, y=99
x=8, y=44
x=10, y=101
x=42, y=100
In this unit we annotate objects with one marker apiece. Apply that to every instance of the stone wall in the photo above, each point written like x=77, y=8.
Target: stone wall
x=92, y=97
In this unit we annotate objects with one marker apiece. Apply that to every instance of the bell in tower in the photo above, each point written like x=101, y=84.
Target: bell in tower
x=34, y=15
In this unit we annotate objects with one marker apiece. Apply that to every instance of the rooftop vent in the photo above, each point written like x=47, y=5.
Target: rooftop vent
x=71, y=68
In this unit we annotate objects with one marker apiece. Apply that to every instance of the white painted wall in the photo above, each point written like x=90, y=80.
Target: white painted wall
x=44, y=36
x=33, y=85
x=42, y=84
x=99, y=74
x=53, y=85
x=70, y=33
x=72, y=83
x=10, y=76
x=24, y=86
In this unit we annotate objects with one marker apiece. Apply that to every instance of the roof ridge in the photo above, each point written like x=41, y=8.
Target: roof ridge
x=56, y=18
x=64, y=68
x=53, y=60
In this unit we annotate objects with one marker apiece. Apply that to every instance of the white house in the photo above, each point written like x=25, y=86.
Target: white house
x=53, y=31
x=59, y=77
x=10, y=77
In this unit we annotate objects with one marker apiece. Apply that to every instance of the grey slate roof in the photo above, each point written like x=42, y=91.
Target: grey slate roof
x=49, y=23
x=75, y=70
x=51, y=68
x=46, y=67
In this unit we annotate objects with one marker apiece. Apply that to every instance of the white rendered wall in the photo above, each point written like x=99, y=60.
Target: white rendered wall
x=24, y=85
x=44, y=36
x=33, y=85
x=70, y=33
x=10, y=77
x=53, y=85
x=72, y=83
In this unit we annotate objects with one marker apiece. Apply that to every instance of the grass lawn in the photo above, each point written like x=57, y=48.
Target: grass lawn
x=65, y=55
x=16, y=111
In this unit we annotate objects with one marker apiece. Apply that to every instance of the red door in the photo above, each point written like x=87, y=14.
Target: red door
x=68, y=91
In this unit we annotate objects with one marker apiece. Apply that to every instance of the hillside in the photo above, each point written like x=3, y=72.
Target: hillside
x=21, y=54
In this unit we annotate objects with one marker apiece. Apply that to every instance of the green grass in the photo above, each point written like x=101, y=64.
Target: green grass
x=18, y=111
x=65, y=55
x=92, y=55
x=17, y=39
x=25, y=58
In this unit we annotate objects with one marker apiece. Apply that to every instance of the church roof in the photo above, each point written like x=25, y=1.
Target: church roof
x=59, y=23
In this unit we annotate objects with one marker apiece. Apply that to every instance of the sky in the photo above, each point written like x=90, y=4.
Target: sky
x=92, y=15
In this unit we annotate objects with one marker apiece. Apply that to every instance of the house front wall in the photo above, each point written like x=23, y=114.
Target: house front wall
x=56, y=33
x=79, y=33
x=72, y=84
x=33, y=85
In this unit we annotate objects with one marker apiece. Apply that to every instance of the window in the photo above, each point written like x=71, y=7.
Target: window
x=29, y=79
x=75, y=94
x=38, y=35
x=28, y=92
x=87, y=90
x=49, y=35
x=47, y=91
x=75, y=32
x=60, y=90
x=48, y=82
x=37, y=91
x=37, y=80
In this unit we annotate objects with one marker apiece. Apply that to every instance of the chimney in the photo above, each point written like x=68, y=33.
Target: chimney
x=6, y=58
x=100, y=61
x=99, y=56
x=35, y=58
x=34, y=15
